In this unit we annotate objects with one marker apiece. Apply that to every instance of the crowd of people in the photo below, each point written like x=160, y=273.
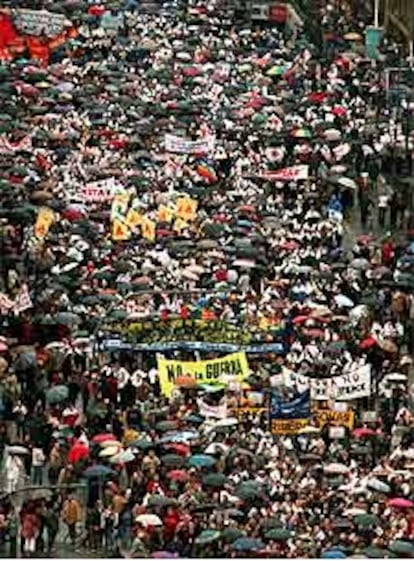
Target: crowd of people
x=175, y=183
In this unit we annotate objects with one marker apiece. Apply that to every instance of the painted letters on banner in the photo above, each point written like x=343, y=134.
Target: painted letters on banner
x=287, y=410
x=294, y=173
x=40, y=22
x=352, y=385
x=180, y=145
x=204, y=371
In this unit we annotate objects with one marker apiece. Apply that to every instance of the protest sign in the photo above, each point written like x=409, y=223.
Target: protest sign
x=203, y=371
x=180, y=145
x=44, y=221
x=324, y=417
x=293, y=173
x=288, y=409
x=40, y=22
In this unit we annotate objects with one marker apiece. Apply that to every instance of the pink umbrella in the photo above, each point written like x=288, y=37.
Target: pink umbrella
x=400, y=502
x=363, y=432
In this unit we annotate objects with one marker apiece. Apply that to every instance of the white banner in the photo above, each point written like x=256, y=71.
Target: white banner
x=294, y=173
x=352, y=385
x=40, y=22
x=212, y=411
x=180, y=145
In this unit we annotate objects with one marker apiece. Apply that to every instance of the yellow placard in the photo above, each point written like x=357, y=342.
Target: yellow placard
x=288, y=426
x=165, y=214
x=186, y=208
x=242, y=412
x=324, y=417
x=133, y=219
x=179, y=225
x=44, y=221
x=120, y=205
x=204, y=371
x=120, y=231
x=148, y=229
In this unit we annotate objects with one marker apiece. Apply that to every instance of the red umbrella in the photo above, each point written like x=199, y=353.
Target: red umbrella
x=368, y=343
x=78, y=452
x=178, y=447
x=191, y=71
x=178, y=475
x=400, y=502
x=298, y=320
x=363, y=432
x=339, y=111
x=103, y=437
x=73, y=214
x=290, y=246
x=317, y=97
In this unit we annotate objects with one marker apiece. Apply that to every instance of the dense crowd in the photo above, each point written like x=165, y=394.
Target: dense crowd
x=176, y=172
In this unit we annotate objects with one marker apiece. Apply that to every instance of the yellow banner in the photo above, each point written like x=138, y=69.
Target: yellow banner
x=186, y=208
x=165, y=214
x=335, y=418
x=120, y=231
x=288, y=426
x=44, y=221
x=243, y=412
x=133, y=219
x=148, y=229
x=119, y=205
x=204, y=371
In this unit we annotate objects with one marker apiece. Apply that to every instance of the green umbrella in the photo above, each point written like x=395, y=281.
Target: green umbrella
x=230, y=535
x=278, y=534
x=402, y=547
x=165, y=426
x=207, y=536
x=374, y=552
x=160, y=501
x=277, y=70
x=366, y=520
x=172, y=460
x=57, y=394
x=214, y=480
x=270, y=523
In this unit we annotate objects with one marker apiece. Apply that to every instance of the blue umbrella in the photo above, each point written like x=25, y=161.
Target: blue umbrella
x=201, y=460
x=333, y=554
x=98, y=471
x=248, y=544
x=184, y=436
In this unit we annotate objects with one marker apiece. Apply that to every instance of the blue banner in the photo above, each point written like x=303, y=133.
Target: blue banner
x=120, y=345
x=297, y=407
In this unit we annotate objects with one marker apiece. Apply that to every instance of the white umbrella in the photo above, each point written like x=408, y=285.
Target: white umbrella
x=149, y=520
x=359, y=311
x=336, y=469
x=109, y=451
x=355, y=511
x=17, y=450
x=395, y=377
x=348, y=182
x=310, y=430
x=332, y=134
x=378, y=485
x=123, y=457
x=228, y=422
x=343, y=301
x=107, y=443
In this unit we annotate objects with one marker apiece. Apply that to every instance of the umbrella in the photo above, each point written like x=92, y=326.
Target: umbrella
x=149, y=520
x=302, y=133
x=99, y=471
x=164, y=426
x=230, y=535
x=347, y=182
x=201, y=461
x=160, y=501
x=396, y=377
x=178, y=475
x=343, y=301
x=360, y=263
x=353, y=36
x=214, y=480
x=333, y=554
x=248, y=544
x=109, y=451
x=172, y=460
x=378, y=485
x=366, y=520
x=207, y=536
x=57, y=394
x=107, y=443
x=164, y=555
x=278, y=534
x=363, y=432
x=17, y=450
x=97, y=439
x=373, y=552
x=124, y=457
x=402, y=548
x=336, y=469
x=400, y=502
